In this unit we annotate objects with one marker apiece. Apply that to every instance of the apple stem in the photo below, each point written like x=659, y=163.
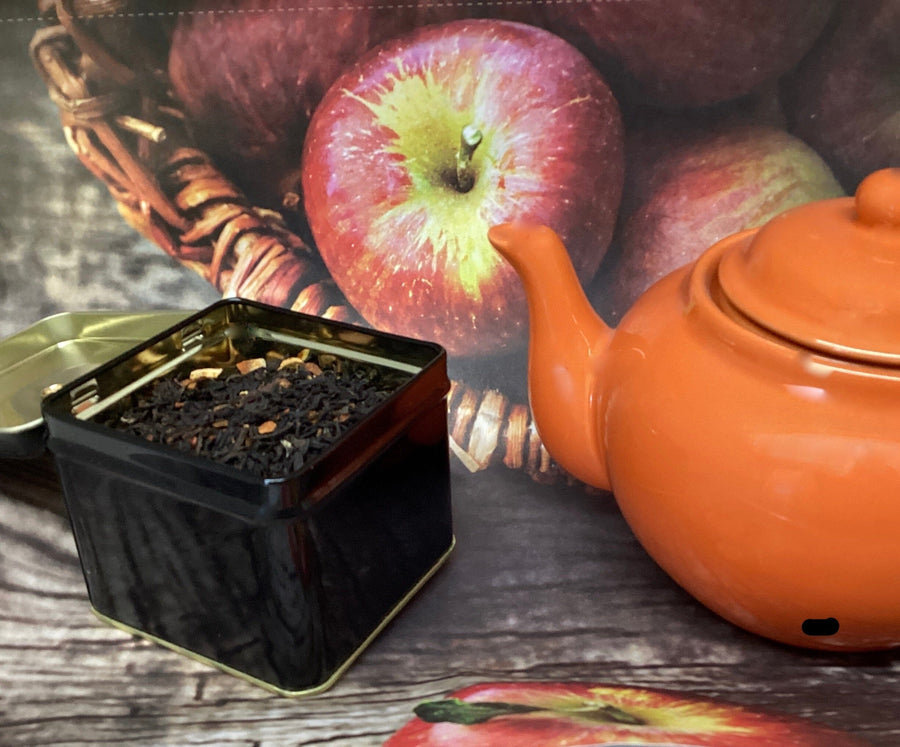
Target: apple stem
x=469, y=140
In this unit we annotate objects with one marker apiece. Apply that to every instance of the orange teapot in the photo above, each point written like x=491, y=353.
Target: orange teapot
x=745, y=413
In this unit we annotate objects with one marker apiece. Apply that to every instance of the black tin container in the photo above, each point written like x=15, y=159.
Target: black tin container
x=283, y=581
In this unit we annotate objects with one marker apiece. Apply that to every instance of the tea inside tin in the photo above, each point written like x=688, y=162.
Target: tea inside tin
x=268, y=415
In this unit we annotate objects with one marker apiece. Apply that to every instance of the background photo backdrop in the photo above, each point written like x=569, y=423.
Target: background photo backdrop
x=312, y=157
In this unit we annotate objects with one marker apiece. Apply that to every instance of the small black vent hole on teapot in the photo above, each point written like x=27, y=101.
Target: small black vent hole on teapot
x=820, y=626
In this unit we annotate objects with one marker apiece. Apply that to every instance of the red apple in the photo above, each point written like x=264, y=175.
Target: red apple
x=552, y=714
x=403, y=237
x=844, y=99
x=688, y=188
x=692, y=52
x=251, y=72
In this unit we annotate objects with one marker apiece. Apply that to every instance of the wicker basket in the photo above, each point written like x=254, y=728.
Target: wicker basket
x=123, y=123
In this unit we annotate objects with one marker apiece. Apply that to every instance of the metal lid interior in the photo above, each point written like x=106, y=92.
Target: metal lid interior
x=53, y=352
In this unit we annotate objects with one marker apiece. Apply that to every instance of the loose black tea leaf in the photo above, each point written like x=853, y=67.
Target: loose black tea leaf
x=267, y=416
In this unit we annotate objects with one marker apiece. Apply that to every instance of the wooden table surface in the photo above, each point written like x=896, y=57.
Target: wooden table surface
x=545, y=584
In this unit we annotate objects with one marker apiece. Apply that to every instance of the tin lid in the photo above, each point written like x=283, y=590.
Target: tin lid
x=54, y=351
x=825, y=274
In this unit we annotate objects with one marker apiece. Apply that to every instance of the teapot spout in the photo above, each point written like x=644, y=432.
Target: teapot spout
x=567, y=346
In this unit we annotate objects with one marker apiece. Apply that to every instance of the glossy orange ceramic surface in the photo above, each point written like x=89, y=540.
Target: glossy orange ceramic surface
x=757, y=462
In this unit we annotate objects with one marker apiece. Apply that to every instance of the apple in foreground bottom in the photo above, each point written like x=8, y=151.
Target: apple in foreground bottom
x=434, y=137
x=552, y=714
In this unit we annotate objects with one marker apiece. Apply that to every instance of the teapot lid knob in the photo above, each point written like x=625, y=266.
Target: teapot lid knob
x=825, y=274
x=878, y=198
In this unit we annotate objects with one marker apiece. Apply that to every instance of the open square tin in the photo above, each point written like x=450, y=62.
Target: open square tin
x=280, y=580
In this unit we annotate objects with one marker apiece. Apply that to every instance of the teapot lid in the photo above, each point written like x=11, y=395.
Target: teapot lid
x=826, y=275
